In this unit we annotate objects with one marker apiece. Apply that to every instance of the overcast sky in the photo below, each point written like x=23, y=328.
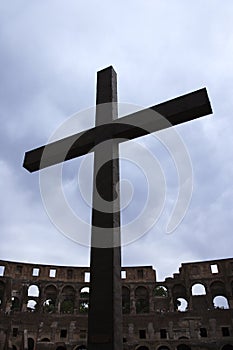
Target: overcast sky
x=50, y=51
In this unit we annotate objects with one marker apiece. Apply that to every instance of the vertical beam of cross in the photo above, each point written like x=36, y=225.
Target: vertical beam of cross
x=105, y=311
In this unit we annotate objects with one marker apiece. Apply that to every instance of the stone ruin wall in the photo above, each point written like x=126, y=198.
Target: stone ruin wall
x=45, y=307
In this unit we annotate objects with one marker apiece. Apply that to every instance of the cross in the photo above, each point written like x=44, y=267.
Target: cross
x=104, y=314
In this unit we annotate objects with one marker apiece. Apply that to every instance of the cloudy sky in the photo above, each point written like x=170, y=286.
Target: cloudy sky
x=50, y=51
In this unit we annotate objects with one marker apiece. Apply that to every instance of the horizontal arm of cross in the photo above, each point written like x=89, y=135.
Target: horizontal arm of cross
x=179, y=110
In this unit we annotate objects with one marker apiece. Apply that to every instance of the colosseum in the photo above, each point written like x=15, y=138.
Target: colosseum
x=45, y=307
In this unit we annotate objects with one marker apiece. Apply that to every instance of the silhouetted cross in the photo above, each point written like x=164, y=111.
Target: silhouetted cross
x=105, y=314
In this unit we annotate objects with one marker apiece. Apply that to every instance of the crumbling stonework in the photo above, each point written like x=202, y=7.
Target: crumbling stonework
x=45, y=307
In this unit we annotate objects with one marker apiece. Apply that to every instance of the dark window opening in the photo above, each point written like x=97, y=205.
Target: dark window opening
x=124, y=340
x=69, y=274
x=63, y=333
x=19, y=269
x=83, y=306
x=140, y=274
x=15, y=304
x=31, y=344
x=203, y=332
x=225, y=332
x=142, y=334
x=15, y=332
x=163, y=333
x=83, y=334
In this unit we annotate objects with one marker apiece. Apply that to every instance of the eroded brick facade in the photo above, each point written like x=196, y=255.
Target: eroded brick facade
x=45, y=307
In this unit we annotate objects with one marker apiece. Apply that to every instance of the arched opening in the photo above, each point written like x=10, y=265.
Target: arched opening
x=181, y=304
x=160, y=291
x=227, y=347
x=179, y=291
x=183, y=347
x=15, y=304
x=84, y=292
x=84, y=299
x=31, y=344
x=31, y=305
x=125, y=300
x=217, y=288
x=220, y=302
x=183, y=337
x=45, y=340
x=163, y=347
x=198, y=289
x=49, y=304
x=180, y=298
x=33, y=291
x=68, y=296
x=14, y=347
x=142, y=300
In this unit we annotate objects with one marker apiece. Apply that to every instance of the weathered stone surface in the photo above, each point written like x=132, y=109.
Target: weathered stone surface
x=66, y=327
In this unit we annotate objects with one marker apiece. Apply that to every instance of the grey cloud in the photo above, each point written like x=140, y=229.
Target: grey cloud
x=50, y=52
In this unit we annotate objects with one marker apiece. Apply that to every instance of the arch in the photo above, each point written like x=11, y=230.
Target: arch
x=183, y=347
x=68, y=299
x=67, y=306
x=45, y=340
x=33, y=291
x=198, y=289
x=160, y=291
x=179, y=291
x=227, y=347
x=125, y=300
x=84, y=292
x=183, y=337
x=220, y=302
x=49, y=306
x=84, y=299
x=68, y=290
x=51, y=289
x=31, y=344
x=31, y=305
x=142, y=300
x=217, y=288
x=181, y=304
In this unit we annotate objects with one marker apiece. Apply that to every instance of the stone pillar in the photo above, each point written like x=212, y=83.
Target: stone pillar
x=170, y=330
x=212, y=323
x=132, y=301
x=2, y=339
x=131, y=331
x=151, y=331
x=192, y=329
x=53, y=331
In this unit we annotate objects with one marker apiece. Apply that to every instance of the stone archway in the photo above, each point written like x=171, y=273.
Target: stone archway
x=183, y=347
x=31, y=344
x=227, y=347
